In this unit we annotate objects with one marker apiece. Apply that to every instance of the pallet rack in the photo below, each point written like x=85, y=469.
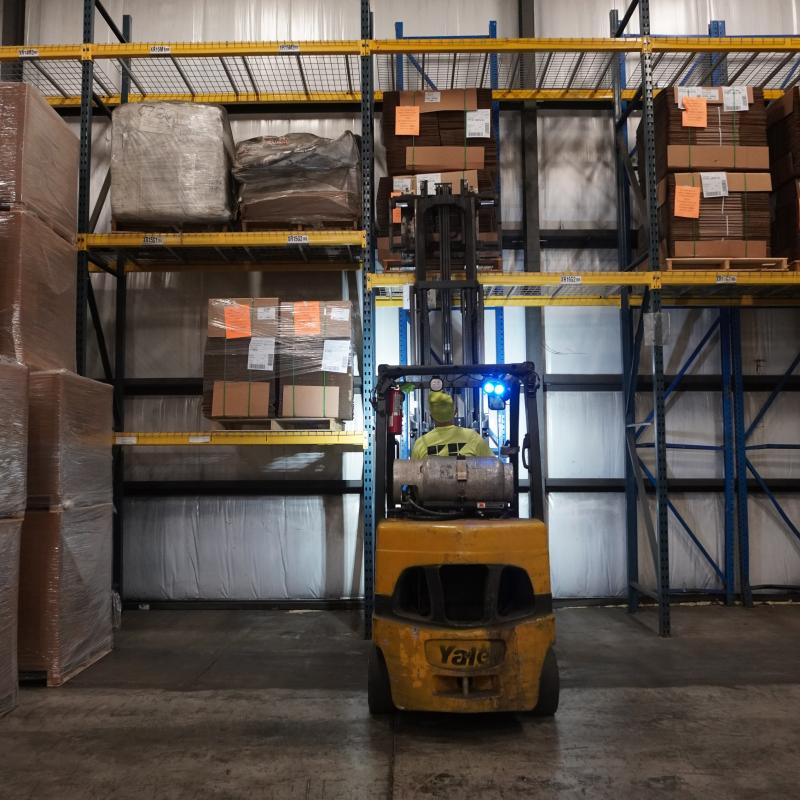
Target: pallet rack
x=321, y=75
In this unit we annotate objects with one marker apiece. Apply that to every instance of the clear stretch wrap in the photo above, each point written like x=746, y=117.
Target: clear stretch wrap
x=315, y=359
x=64, y=590
x=299, y=178
x=37, y=293
x=9, y=591
x=69, y=446
x=13, y=438
x=171, y=164
x=38, y=159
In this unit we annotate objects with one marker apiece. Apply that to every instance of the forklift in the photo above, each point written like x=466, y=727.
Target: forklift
x=463, y=618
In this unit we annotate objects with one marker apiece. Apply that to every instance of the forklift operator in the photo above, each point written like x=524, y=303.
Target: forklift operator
x=447, y=439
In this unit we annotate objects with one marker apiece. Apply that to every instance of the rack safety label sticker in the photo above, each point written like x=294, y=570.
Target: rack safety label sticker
x=479, y=124
x=726, y=278
x=159, y=49
x=29, y=52
x=433, y=97
x=570, y=279
x=152, y=240
x=125, y=440
x=199, y=439
x=288, y=48
x=261, y=354
x=297, y=238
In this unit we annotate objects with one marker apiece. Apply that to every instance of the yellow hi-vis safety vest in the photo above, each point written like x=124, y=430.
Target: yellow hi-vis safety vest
x=451, y=441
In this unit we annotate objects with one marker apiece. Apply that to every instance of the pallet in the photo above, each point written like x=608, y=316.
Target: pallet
x=257, y=226
x=280, y=424
x=135, y=227
x=55, y=678
x=726, y=264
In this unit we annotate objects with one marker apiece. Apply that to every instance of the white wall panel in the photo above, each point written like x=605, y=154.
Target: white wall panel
x=774, y=549
x=583, y=340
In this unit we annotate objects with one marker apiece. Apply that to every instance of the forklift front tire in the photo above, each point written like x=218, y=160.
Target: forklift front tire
x=379, y=690
x=549, y=686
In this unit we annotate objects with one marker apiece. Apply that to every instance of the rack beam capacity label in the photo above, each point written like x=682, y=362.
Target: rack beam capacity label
x=726, y=278
x=153, y=240
x=125, y=440
x=289, y=48
x=29, y=52
x=160, y=49
x=571, y=279
x=199, y=439
x=297, y=238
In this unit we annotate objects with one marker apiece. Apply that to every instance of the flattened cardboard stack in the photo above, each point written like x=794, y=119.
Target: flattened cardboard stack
x=711, y=162
x=783, y=134
x=315, y=359
x=65, y=558
x=13, y=476
x=239, y=362
x=441, y=153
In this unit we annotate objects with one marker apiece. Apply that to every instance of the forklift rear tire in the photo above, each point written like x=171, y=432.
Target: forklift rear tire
x=549, y=686
x=379, y=690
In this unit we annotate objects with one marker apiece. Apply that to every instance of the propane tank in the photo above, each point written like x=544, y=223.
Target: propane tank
x=396, y=400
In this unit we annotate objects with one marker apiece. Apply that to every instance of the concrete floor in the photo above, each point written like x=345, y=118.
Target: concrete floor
x=235, y=704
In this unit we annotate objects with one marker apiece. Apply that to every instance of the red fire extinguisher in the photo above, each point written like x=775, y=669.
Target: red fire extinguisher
x=396, y=400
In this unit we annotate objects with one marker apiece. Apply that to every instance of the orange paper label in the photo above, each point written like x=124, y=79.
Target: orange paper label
x=306, y=318
x=687, y=201
x=406, y=121
x=696, y=114
x=397, y=213
x=237, y=322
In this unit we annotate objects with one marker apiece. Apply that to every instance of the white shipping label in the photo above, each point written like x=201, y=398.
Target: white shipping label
x=479, y=124
x=289, y=48
x=726, y=278
x=406, y=295
x=266, y=312
x=734, y=98
x=159, y=49
x=29, y=52
x=336, y=355
x=715, y=184
x=433, y=97
x=261, y=354
x=340, y=314
x=401, y=185
x=432, y=178
x=712, y=95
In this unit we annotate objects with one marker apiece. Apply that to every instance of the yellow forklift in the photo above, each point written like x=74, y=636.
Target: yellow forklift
x=462, y=616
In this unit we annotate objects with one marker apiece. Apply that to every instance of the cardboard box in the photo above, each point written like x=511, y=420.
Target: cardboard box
x=71, y=427
x=710, y=158
x=241, y=400
x=64, y=590
x=37, y=293
x=737, y=182
x=263, y=317
x=10, y=530
x=310, y=401
x=38, y=159
x=13, y=438
x=400, y=182
x=443, y=159
x=782, y=107
x=330, y=319
x=727, y=248
x=441, y=100
x=712, y=94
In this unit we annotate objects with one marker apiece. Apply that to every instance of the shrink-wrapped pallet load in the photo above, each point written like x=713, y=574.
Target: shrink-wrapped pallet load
x=171, y=164
x=13, y=438
x=299, y=178
x=9, y=593
x=38, y=159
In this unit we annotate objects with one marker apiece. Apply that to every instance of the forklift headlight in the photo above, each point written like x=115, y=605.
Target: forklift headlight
x=499, y=388
x=489, y=387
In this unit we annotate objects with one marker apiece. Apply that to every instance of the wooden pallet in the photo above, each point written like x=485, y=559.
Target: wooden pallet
x=257, y=226
x=726, y=264
x=280, y=424
x=134, y=227
x=56, y=678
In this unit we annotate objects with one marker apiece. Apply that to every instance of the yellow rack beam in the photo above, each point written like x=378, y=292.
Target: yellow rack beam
x=256, y=239
x=728, y=44
x=632, y=44
x=50, y=52
x=353, y=47
x=229, y=438
x=515, y=279
x=235, y=266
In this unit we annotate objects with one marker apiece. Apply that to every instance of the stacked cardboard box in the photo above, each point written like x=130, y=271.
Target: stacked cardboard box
x=65, y=564
x=783, y=134
x=171, y=164
x=65, y=559
x=13, y=476
x=711, y=162
x=299, y=178
x=315, y=359
x=239, y=375
x=456, y=142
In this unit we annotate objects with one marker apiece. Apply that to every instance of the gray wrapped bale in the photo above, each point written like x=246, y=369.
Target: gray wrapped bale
x=171, y=164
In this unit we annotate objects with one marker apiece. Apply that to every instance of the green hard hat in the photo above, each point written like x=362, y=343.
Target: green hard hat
x=442, y=407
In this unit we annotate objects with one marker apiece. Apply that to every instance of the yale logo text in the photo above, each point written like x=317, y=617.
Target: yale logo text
x=453, y=656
